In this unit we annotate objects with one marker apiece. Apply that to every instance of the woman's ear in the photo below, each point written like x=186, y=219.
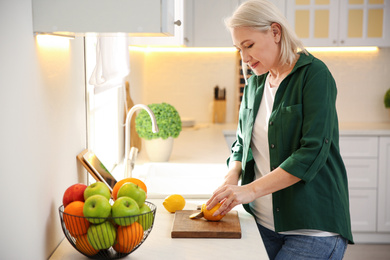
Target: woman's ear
x=276, y=31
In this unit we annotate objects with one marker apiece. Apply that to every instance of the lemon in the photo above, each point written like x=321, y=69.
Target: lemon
x=174, y=202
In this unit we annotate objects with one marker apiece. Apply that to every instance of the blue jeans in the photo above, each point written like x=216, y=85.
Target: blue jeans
x=299, y=247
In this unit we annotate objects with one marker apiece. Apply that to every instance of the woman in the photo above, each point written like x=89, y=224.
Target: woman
x=293, y=179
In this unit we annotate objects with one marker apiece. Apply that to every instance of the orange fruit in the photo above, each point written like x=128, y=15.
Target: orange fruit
x=75, y=222
x=119, y=184
x=83, y=245
x=208, y=214
x=128, y=237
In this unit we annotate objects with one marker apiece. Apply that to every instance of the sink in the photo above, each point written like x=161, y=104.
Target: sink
x=191, y=180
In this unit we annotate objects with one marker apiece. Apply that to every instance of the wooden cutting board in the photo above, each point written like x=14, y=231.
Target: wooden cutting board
x=184, y=227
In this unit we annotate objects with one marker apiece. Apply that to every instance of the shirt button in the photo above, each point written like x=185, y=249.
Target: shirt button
x=271, y=123
x=277, y=209
x=272, y=146
x=273, y=168
x=326, y=141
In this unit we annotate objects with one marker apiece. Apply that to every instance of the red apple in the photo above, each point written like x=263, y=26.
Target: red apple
x=74, y=193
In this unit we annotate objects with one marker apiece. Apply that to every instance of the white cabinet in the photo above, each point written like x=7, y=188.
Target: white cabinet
x=363, y=210
x=367, y=160
x=177, y=39
x=75, y=17
x=384, y=185
x=205, y=25
x=360, y=155
x=341, y=23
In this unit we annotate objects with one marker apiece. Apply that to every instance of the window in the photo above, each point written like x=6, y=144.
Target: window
x=105, y=115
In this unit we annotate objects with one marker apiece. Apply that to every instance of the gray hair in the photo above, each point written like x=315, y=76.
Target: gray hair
x=260, y=14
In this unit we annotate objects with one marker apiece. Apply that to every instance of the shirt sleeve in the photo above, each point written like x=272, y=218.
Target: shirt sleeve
x=319, y=121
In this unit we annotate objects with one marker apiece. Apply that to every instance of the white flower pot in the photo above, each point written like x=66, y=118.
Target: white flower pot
x=159, y=150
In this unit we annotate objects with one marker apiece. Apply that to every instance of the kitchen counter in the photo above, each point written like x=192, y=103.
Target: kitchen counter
x=378, y=129
x=160, y=245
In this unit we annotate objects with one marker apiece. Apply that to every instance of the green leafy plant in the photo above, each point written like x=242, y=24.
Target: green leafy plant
x=168, y=122
x=387, y=99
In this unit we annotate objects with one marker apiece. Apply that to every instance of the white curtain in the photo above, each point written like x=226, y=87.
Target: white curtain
x=112, y=62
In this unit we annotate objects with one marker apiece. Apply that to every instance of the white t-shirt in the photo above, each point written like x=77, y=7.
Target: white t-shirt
x=262, y=207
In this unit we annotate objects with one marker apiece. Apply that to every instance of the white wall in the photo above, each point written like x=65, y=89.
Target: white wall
x=362, y=80
x=187, y=79
x=43, y=128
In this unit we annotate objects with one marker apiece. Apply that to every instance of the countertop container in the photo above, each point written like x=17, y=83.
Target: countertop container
x=127, y=237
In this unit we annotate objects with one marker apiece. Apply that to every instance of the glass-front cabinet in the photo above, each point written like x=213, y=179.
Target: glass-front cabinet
x=341, y=23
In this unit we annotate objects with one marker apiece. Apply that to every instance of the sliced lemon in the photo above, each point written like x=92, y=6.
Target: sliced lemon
x=174, y=202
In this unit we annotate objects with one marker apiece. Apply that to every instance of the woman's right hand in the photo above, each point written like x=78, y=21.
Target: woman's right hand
x=231, y=178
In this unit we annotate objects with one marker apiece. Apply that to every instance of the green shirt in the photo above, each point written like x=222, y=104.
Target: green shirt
x=303, y=140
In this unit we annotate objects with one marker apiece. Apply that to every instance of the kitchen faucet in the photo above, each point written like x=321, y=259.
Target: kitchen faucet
x=130, y=155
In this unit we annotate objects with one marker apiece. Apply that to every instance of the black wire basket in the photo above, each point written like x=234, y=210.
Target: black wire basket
x=112, y=237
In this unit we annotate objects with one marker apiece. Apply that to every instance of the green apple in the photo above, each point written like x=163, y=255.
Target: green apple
x=97, y=188
x=133, y=191
x=146, y=217
x=96, y=209
x=102, y=236
x=124, y=211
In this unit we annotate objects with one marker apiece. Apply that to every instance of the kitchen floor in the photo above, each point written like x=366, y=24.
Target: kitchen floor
x=368, y=252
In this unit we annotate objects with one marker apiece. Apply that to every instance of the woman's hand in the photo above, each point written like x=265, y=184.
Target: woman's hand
x=230, y=196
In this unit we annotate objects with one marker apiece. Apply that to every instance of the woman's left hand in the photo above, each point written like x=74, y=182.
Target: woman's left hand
x=230, y=196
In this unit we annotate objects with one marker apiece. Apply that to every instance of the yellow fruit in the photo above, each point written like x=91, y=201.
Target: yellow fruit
x=174, y=202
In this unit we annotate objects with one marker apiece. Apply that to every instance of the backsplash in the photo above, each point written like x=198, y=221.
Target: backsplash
x=187, y=80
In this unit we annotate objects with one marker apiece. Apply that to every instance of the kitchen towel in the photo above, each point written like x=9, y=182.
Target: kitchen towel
x=112, y=62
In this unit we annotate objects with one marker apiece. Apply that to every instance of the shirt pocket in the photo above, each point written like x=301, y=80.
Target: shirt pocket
x=292, y=120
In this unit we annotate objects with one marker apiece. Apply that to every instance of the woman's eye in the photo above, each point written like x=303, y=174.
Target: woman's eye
x=249, y=46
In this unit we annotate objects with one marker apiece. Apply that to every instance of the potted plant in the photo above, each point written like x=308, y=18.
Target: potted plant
x=159, y=145
x=387, y=99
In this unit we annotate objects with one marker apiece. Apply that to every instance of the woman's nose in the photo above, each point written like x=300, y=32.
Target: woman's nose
x=245, y=57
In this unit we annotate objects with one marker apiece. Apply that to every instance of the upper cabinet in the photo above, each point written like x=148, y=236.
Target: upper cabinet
x=340, y=23
x=204, y=22
x=75, y=17
x=177, y=39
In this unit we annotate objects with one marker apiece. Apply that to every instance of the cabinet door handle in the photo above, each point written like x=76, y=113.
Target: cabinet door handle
x=178, y=22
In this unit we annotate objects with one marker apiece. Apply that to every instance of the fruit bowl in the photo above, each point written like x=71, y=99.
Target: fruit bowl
x=107, y=238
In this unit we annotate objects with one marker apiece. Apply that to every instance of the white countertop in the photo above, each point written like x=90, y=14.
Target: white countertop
x=378, y=129
x=160, y=245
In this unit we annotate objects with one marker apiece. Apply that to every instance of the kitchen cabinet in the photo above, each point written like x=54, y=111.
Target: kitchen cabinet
x=367, y=160
x=384, y=185
x=177, y=39
x=341, y=23
x=74, y=17
x=360, y=155
x=205, y=25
